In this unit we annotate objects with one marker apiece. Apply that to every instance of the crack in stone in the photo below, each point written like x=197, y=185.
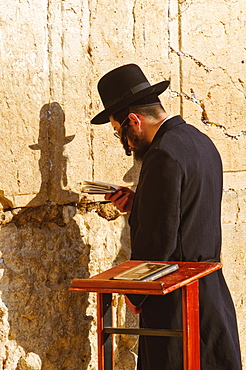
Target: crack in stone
x=204, y=116
x=49, y=46
x=233, y=82
x=206, y=121
x=233, y=190
x=179, y=14
x=192, y=98
x=186, y=55
x=134, y=25
x=51, y=212
x=208, y=69
x=90, y=132
x=91, y=149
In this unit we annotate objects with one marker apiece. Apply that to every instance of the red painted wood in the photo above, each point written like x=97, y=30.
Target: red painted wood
x=191, y=326
x=186, y=277
x=100, y=327
x=187, y=272
x=100, y=335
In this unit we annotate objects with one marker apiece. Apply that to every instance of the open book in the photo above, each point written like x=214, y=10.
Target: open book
x=147, y=271
x=97, y=187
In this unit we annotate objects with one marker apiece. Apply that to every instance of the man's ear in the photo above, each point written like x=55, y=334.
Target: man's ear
x=135, y=120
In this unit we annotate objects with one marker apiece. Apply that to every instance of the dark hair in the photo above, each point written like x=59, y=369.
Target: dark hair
x=120, y=115
x=149, y=106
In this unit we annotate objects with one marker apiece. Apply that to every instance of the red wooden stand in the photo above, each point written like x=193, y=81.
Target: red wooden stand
x=186, y=277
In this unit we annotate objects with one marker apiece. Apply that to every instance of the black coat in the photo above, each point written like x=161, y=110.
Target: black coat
x=176, y=216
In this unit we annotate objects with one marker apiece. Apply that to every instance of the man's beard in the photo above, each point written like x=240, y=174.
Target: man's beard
x=139, y=145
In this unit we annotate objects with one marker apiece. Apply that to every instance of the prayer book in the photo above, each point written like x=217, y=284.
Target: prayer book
x=146, y=271
x=97, y=187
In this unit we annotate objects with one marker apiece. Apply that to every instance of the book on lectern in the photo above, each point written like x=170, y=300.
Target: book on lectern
x=147, y=271
x=98, y=187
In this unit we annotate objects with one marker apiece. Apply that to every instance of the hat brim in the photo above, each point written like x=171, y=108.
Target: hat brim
x=103, y=117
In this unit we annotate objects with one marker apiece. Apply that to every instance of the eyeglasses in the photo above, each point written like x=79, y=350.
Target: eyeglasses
x=117, y=133
x=122, y=135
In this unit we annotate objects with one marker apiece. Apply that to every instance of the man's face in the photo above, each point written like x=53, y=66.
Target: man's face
x=136, y=140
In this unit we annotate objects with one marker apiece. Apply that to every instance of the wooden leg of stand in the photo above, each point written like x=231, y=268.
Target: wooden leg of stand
x=100, y=327
x=191, y=326
x=105, y=341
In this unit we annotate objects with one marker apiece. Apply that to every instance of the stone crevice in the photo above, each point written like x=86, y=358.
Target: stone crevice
x=49, y=44
x=209, y=69
x=180, y=13
x=204, y=116
x=233, y=82
x=196, y=61
x=90, y=140
x=51, y=212
x=90, y=131
x=134, y=24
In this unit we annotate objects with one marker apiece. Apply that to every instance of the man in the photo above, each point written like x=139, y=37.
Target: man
x=175, y=215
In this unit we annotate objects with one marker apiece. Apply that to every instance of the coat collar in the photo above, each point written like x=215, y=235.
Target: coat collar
x=174, y=121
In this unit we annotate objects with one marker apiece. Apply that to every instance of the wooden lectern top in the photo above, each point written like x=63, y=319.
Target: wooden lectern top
x=186, y=274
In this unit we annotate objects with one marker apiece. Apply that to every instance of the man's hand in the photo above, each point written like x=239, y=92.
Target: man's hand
x=122, y=198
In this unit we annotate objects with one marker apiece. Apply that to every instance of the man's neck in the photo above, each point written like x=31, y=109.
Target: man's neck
x=153, y=128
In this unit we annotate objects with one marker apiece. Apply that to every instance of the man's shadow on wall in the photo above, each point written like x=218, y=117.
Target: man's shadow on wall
x=47, y=253
x=55, y=320
x=53, y=163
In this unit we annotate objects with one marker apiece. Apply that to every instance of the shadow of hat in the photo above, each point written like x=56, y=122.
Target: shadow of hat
x=121, y=87
x=51, y=127
x=39, y=146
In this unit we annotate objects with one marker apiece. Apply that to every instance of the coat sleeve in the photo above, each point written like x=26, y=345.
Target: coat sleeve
x=155, y=217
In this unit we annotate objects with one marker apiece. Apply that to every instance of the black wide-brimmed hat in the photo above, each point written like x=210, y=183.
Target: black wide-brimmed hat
x=121, y=87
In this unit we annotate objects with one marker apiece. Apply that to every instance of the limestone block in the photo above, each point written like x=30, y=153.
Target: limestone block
x=29, y=78
x=39, y=264
x=234, y=180
x=130, y=40
x=13, y=354
x=233, y=252
x=233, y=259
x=234, y=206
x=36, y=293
x=70, y=79
x=24, y=88
x=211, y=62
x=52, y=56
x=229, y=207
x=242, y=205
x=30, y=362
x=4, y=330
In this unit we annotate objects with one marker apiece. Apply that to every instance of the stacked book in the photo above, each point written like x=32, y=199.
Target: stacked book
x=91, y=187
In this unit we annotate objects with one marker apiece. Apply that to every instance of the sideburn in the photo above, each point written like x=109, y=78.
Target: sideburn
x=140, y=145
x=124, y=134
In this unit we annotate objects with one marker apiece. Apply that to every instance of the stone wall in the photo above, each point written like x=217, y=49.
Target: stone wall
x=52, y=54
